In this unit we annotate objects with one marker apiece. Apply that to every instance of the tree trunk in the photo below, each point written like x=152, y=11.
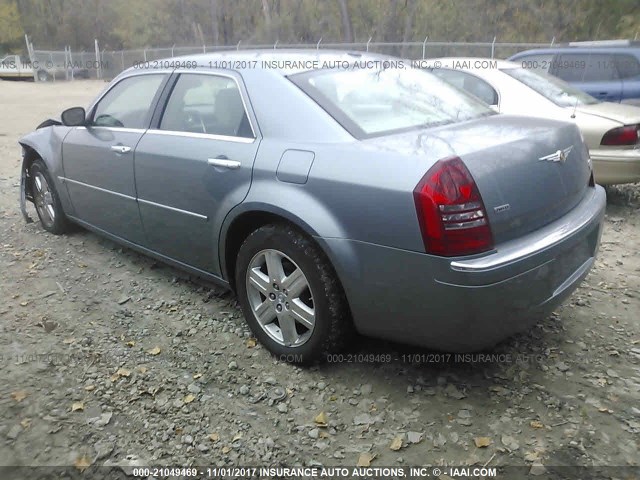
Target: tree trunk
x=215, y=31
x=347, y=26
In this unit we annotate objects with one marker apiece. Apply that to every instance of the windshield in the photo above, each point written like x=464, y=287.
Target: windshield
x=374, y=102
x=552, y=88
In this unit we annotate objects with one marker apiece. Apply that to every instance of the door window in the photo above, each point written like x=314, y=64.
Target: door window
x=469, y=83
x=208, y=104
x=586, y=67
x=128, y=104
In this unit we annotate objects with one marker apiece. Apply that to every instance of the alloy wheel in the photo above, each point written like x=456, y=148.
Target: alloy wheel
x=44, y=200
x=280, y=298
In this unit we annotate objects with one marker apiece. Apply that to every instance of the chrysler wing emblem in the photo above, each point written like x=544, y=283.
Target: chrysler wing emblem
x=559, y=156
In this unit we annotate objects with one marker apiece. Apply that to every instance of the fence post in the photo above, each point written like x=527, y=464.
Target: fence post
x=553, y=40
x=493, y=47
x=31, y=59
x=98, y=64
x=275, y=45
x=172, y=47
x=424, y=47
x=318, y=44
x=368, y=42
x=144, y=53
x=204, y=48
x=238, y=46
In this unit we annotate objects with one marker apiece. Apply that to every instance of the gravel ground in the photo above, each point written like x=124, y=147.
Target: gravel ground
x=109, y=357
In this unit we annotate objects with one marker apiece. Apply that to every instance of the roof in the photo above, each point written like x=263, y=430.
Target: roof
x=583, y=48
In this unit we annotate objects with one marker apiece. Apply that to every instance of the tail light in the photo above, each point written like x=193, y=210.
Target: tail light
x=627, y=135
x=451, y=212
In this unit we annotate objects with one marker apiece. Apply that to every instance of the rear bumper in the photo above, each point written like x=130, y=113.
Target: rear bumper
x=616, y=166
x=469, y=304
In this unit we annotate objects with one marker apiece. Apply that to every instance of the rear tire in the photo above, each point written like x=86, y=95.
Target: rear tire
x=290, y=295
x=43, y=76
x=46, y=200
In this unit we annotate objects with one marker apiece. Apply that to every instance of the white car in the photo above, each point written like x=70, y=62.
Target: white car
x=611, y=130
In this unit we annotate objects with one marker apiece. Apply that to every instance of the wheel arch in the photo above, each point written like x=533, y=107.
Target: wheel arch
x=237, y=228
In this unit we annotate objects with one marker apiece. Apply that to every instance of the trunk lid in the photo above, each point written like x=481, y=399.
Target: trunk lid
x=617, y=112
x=523, y=180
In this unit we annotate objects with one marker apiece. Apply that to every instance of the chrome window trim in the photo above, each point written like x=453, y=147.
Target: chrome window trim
x=209, y=136
x=121, y=195
x=217, y=74
x=173, y=209
x=114, y=129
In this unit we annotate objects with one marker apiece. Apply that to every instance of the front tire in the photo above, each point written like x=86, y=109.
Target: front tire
x=43, y=76
x=46, y=199
x=290, y=295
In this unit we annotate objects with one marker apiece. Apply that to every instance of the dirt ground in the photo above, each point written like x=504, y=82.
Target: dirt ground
x=109, y=357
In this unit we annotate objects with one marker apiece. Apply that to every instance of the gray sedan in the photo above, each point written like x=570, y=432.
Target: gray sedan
x=334, y=192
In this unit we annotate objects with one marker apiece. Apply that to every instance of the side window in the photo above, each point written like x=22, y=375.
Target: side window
x=628, y=65
x=127, y=104
x=469, y=83
x=586, y=67
x=210, y=104
x=538, y=63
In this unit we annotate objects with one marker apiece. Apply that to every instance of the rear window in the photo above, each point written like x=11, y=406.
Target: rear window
x=552, y=88
x=374, y=102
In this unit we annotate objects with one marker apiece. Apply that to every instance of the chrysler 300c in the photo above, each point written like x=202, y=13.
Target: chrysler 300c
x=379, y=199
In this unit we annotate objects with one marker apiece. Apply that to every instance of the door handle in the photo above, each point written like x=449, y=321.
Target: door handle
x=121, y=148
x=224, y=163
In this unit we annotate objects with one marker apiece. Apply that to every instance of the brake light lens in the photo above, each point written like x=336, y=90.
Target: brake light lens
x=627, y=135
x=451, y=212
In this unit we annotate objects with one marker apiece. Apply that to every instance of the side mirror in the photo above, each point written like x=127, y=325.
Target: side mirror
x=494, y=108
x=73, y=117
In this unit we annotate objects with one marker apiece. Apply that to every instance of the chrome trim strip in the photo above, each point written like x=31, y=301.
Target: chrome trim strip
x=541, y=240
x=82, y=184
x=209, y=136
x=173, y=209
x=114, y=129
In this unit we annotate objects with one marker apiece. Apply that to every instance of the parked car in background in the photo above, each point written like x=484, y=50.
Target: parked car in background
x=606, y=70
x=15, y=67
x=610, y=130
x=329, y=196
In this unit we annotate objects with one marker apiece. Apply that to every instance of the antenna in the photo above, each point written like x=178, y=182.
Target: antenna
x=584, y=71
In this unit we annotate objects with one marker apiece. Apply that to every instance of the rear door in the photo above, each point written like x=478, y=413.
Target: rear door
x=593, y=73
x=194, y=165
x=98, y=158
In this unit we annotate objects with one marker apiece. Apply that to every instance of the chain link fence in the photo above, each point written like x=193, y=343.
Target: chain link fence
x=106, y=64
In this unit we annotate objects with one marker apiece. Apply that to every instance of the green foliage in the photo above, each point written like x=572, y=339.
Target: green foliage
x=144, y=23
x=11, y=34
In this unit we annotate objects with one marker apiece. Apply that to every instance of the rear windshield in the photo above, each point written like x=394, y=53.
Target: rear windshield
x=374, y=102
x=550, y=87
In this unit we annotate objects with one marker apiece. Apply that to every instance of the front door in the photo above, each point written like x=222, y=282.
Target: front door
x=98, y=159
x=195, y=167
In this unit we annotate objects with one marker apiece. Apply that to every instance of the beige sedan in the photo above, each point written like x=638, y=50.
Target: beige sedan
x=611, y=130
